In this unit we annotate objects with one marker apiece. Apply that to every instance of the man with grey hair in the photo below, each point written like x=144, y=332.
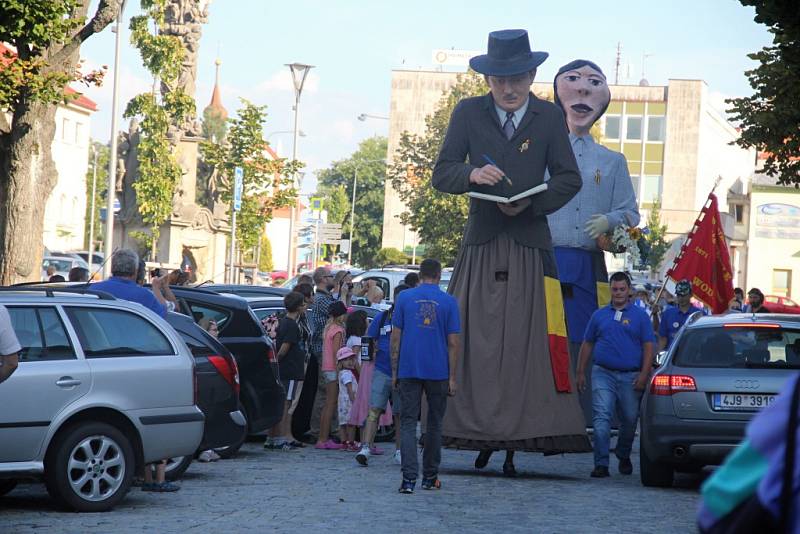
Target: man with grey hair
x=318, y=315
x=122, y=284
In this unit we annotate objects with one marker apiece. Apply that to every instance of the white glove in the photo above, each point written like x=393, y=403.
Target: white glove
x=596, y=225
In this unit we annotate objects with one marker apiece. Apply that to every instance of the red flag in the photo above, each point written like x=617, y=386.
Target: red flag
x=704, y=260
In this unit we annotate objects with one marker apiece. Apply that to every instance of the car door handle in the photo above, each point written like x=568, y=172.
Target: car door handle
x=67, y=382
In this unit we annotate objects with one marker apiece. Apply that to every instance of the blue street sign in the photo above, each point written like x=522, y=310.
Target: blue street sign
x=238, y=175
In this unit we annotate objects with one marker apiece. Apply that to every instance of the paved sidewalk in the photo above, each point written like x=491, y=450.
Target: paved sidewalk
x=271, y=491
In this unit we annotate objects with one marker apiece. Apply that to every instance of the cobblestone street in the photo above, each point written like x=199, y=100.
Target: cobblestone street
x=268, y=491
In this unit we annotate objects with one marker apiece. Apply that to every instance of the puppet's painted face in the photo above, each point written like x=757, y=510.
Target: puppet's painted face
x=584, y=95
x=511, y=92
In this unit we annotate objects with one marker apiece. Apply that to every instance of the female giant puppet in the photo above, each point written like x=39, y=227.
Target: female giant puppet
x=606, y=200
x=514, y=386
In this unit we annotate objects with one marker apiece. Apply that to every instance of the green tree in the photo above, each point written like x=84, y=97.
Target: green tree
x=390, y=256
x=265, y=260
x=770, y=118
x=215, y=125
x=159, y=171
x=655, y=241
x=267, y=183
x=47, y=35
x=100, y=190
x=438, y=218
x=336, y=186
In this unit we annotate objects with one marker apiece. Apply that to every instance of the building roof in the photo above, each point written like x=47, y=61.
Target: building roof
x=8, y=54
x=216, y=98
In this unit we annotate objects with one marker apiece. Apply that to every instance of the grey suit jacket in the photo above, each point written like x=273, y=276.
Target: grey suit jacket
x=540, y=142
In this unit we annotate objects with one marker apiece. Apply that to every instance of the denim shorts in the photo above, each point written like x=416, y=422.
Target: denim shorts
x=382, y=391
x=329, y=376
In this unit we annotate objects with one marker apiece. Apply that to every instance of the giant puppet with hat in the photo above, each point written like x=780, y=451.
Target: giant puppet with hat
x=605, y=201
x=515, y=387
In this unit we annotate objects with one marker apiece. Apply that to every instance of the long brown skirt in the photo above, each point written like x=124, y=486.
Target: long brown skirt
x=507, y=397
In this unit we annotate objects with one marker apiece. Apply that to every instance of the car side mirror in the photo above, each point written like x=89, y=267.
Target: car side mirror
x=661, y=357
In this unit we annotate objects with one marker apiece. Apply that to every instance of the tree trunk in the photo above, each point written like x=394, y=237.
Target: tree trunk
x=27, y=176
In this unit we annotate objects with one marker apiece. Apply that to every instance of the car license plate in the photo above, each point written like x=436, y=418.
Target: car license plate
x=742, y=402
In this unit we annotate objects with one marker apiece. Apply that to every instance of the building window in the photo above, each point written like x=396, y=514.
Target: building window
x=651, y=189
x=737, y=212
x=612, y=127
x=655, y=129
x=65, y=128
x=636, y=181
x=782, y=282
x=78, y=133
x=633, y=131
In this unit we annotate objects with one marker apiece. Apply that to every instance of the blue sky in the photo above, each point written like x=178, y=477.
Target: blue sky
x=356, y=44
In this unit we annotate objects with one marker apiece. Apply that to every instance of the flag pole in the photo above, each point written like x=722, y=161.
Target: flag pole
x=678, y=255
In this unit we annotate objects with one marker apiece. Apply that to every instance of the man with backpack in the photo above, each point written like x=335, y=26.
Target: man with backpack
x=379, y=332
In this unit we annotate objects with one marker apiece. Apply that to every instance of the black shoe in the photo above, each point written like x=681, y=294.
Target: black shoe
x=509, y=470
x=625, y=466
x=600, y=471
x=431, y=483
x=407, y=486
x=483, y=458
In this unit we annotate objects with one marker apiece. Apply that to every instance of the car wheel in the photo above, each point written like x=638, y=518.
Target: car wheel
x=177, y=466
x=226, y=453
x=90, y=467
x=7, y=485
x=653, y=473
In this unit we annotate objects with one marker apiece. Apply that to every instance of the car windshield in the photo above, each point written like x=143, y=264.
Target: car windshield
x=60, y=264
x=739, y=346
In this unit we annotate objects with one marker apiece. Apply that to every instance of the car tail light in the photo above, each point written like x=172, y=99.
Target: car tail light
x=670, y=384
x=271, y=357
x=228, y=369
x=195, y=387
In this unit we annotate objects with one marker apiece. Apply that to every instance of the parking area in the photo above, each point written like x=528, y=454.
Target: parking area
x=270, y=491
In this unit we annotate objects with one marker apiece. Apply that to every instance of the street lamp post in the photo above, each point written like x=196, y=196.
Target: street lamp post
x=364, y=116
x=299, y=73
x=112, y=157
x=91, y=217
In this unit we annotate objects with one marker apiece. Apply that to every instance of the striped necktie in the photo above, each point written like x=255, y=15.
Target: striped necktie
x=508, y=126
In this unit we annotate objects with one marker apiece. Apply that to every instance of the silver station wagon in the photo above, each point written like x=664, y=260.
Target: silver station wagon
x=103, y=387
x=719, y=372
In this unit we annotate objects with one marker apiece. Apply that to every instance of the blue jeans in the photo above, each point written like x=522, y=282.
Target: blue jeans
x=614, y=390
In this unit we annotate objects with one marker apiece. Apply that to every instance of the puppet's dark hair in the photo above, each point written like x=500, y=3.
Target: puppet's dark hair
x=573, y=65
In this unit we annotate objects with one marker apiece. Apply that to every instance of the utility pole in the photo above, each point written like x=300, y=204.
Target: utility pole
x=617, y=63
x=91, y=216
x=237, y=205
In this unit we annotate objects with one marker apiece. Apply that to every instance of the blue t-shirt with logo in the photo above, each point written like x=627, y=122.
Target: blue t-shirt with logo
x=426, y=315
x=127, y=289
x=618, y=336
x=383, y=335
x=672, y=320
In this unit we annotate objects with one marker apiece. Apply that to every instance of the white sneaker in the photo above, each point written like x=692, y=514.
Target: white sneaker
x=397, y=459
x=363, y=455
x=206, y=456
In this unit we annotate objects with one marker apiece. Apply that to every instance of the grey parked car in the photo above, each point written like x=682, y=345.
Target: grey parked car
x=719, y=372
x=103, y=386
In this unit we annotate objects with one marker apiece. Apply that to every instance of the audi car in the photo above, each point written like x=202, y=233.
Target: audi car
x=719, y=372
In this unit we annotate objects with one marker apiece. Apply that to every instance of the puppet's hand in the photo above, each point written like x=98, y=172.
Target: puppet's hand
x=515, y=208
x=596, y=225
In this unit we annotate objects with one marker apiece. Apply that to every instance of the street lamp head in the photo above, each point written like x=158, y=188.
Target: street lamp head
x=299, y=73
x=362, y=117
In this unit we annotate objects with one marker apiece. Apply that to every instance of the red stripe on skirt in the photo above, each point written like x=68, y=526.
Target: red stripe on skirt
x=559, y=360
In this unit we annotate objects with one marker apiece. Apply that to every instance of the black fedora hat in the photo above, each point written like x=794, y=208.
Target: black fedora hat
x=509, y=54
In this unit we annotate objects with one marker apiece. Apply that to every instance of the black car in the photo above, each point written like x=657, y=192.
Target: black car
x=244, y=290
x=217, y=392
x=261, y=394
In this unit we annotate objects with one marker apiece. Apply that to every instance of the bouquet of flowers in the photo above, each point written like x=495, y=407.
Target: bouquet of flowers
x=624, y=239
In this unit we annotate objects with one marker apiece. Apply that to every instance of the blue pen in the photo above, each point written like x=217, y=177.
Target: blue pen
x=490, y=162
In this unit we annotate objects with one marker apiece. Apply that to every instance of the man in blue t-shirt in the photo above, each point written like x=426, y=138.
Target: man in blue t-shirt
x=424, y=348
x=673, y=317
x=380, y=331
x=122, y=284
x=621, y=338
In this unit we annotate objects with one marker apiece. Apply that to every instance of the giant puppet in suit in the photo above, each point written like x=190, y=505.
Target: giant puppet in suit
x=605, y=201
x=515, y=391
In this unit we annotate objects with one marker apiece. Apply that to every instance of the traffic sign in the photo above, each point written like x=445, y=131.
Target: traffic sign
x=330, y=230
x=238, y=175
x=316, y=203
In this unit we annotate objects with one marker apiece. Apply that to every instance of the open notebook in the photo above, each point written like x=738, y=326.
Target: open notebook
x=508, y=200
